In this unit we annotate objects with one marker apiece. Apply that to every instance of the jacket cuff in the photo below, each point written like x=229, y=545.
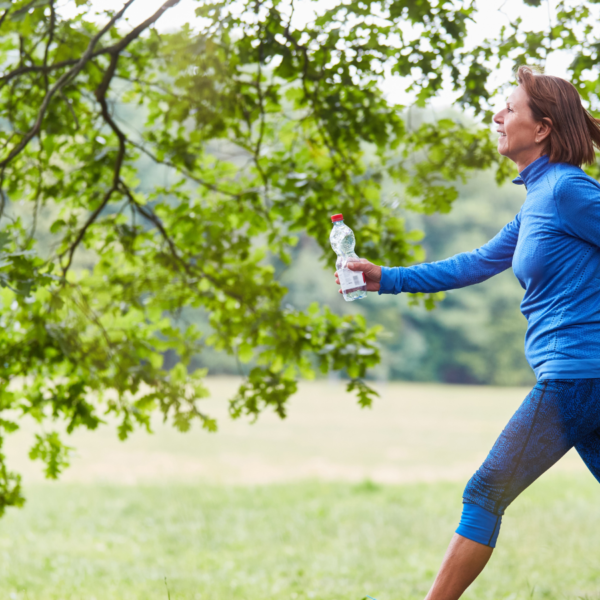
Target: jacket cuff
x=391, y=280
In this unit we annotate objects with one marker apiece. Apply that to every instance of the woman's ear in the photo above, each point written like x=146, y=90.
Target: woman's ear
x=543, y=130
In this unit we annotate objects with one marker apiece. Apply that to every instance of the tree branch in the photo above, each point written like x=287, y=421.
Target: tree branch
x=150, y=216
x=25, y=8
x=117, y=47
x=100, y=93
x=88, y=311
x=3, y=17
x=71, y=109
x=135, y=33
x=101, y=97
x=49, y=43
x=63, y=80
x=168, y=163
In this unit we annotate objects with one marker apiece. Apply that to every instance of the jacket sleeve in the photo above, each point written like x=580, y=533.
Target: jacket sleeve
x=578, y=204
x=458, y=271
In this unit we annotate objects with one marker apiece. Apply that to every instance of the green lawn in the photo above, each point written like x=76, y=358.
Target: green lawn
x=326, y=541
x=277, y=510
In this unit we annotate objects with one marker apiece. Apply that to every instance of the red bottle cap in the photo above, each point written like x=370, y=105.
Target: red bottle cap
x=335, y=218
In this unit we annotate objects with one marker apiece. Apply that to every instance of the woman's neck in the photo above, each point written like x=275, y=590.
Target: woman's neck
x=523, y=163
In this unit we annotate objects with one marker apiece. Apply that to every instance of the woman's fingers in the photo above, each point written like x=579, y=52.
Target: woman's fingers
x=337, y=280
x=372, y=272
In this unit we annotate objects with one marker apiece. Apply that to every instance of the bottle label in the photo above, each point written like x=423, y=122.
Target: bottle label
x=351, y=280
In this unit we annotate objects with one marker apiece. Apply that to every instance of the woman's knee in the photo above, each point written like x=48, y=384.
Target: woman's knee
x=482, y=509
x=487, y=489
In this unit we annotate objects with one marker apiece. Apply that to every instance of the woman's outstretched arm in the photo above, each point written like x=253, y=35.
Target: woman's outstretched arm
x=458, y=271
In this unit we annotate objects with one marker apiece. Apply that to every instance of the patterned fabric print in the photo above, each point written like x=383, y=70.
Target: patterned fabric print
x=557, y=415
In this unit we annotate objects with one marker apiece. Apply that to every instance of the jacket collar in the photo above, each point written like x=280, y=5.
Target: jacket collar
x=531, y=173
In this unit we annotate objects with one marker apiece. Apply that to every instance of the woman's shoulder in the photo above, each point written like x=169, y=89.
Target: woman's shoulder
x=564, y=178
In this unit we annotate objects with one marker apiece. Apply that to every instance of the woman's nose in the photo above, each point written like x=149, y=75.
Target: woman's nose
x=499, y=118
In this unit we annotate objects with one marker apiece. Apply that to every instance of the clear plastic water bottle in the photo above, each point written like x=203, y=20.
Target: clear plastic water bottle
x=353, y=283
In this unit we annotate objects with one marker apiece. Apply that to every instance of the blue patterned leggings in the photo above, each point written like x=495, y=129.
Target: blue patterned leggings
x=556, y=415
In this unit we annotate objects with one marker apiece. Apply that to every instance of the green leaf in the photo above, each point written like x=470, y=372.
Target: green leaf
x=245, y=352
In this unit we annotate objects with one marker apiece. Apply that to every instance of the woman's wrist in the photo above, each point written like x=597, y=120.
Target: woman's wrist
x=391, y=280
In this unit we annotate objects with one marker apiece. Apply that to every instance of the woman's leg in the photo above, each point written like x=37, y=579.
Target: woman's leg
x=555, y=416
x=589, y=450
x=463, y=562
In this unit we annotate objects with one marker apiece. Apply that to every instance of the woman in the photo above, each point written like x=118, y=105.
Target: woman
x=553, y=246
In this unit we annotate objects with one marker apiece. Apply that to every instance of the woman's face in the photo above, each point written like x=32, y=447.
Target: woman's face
x=521, y=137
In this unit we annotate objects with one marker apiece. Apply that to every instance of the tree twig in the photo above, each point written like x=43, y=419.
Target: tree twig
x=3, y=17
x=117, y=47
x=49, y=43
x=168, y=163
x=101, y=97
x=153, y=218
x=71, y=109
x=62, y=81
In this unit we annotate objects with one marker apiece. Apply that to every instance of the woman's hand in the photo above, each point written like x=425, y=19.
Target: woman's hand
x=372, y=273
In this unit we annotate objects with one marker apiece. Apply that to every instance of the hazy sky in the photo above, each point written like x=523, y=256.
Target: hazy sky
x=492, y=14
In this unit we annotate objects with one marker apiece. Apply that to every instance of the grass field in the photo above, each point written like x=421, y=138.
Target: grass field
x=333, y=504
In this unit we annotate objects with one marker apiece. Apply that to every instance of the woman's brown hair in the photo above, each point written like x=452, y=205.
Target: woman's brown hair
x=574, y=131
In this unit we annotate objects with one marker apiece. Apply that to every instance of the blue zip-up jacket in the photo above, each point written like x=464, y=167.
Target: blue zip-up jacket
x=553, y=246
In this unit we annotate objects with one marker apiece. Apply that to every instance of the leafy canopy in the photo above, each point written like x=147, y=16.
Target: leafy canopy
x=265, y=126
